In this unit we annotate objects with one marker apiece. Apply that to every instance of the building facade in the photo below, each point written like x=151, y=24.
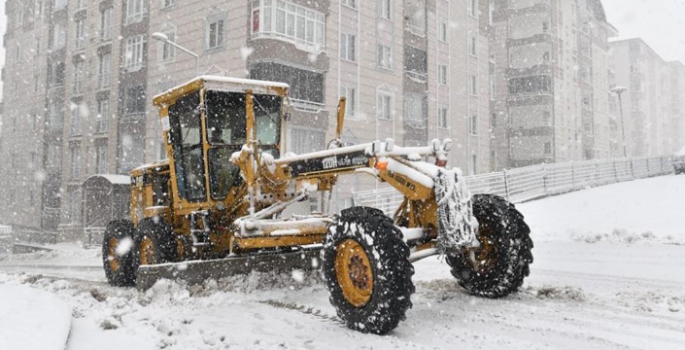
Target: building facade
x=411, y=70
x=551, y=81
x=652, y=103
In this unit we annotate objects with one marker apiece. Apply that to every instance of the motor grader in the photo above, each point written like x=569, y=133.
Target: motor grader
x=217, y=207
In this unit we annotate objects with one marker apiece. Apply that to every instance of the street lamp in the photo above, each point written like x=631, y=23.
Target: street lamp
x=618, y=90
x=165, y=39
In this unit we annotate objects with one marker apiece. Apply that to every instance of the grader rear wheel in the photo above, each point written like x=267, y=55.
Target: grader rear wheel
x=498, y=267
x=116, y=253
x=367, y=271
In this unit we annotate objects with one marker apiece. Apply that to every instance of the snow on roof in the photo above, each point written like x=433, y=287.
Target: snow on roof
x=259, y=84
x=681, y=152
x=114, y=179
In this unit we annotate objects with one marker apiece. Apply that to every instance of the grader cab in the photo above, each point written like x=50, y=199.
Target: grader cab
x=217, y=208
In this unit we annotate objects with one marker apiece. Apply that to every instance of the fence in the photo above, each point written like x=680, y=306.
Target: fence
x=523, y=184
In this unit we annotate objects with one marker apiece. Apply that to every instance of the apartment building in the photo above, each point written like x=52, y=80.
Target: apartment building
x=83, y=64
x=551, y=81
x=411, y=70
x=652, y=103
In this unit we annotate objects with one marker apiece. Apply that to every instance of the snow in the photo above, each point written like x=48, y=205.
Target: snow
x=32, y=319
x=114, y=179
x=611, y=293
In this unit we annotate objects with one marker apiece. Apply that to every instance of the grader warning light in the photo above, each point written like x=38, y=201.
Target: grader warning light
x=216, y=208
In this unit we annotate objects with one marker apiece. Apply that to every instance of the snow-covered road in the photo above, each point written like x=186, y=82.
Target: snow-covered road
x=609, y=273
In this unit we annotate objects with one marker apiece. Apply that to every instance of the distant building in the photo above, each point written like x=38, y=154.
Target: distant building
x=653, y=102
x=551, y=81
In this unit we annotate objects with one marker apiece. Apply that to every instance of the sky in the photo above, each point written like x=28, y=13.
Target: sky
x=660, y=23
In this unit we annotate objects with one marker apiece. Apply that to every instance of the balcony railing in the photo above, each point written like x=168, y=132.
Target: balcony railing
x=306, y=106
x=416, y=76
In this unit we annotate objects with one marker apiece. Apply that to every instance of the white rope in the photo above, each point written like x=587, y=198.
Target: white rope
x=457, y=225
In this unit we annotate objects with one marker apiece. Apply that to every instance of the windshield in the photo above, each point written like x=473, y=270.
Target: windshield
x=186, y=140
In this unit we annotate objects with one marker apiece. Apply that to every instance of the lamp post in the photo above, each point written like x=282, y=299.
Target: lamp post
x=618, y=90
x=165, y=39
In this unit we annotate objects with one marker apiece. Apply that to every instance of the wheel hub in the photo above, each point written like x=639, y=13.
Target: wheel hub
x=354, y=273
x=483, y=258
x=112, y=257
x=146, y=253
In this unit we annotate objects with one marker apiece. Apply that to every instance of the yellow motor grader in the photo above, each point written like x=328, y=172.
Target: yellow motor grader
x=217, y=207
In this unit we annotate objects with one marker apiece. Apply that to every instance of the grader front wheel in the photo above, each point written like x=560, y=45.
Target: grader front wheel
x=367, y=271
x=154, y=243
x=501, y=262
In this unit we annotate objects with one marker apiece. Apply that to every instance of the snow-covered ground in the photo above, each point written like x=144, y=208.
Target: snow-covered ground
x=609, y=273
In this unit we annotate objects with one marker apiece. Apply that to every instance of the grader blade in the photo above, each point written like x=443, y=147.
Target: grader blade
x=197, y=271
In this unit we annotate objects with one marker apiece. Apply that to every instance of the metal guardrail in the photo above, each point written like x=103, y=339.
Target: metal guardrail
x=524, y=184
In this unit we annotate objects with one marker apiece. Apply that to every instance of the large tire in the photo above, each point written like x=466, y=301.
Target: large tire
x=504, y=255
x=118, y=267
x=154, y=243
x=367, y=271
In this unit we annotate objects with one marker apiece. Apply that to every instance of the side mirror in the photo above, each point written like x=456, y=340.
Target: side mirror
x=435, y=145
x=389, y=145
x=447, y=145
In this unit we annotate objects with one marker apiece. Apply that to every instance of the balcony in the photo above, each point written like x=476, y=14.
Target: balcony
x=306, y=106
x=418, y=77
x=132, y=118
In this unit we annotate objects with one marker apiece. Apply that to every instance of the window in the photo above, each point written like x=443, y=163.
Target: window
x=135, y=100
x=102, y=118
x=473, y=85
x=305, y=85
x=306, y=140
x=442, y=117
x=101, y=158
x=78, y=77
x=106, y=24
x=135, y=50
x=351, y=95
x=415, y=110
x=493, y=120
x=384, y=56
x=135, y=11
x=545, y=56
x=347, y=47
x=415, y=63
x=545, y=27
x=53, y=161
x=384, y=105
x=55, y=116
x=80, y=33
x=167, y=3
x=473, y=125
x=289, y=21
x=58, y=36
x=349, y=3
x=530, y=85
x=104, y=70
x=215, y=34
x=74, y=205
x=547, y=118
x=17, y=56
x=473, y=46
x=442, y=31
x=56, y=74
x=75, y=120
x=37, y=46
x=386, y=9
x=167, y=51
x=442, y=74
x=548, y=148
x=75, y=161
x=473, y=8
x=416, y=16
